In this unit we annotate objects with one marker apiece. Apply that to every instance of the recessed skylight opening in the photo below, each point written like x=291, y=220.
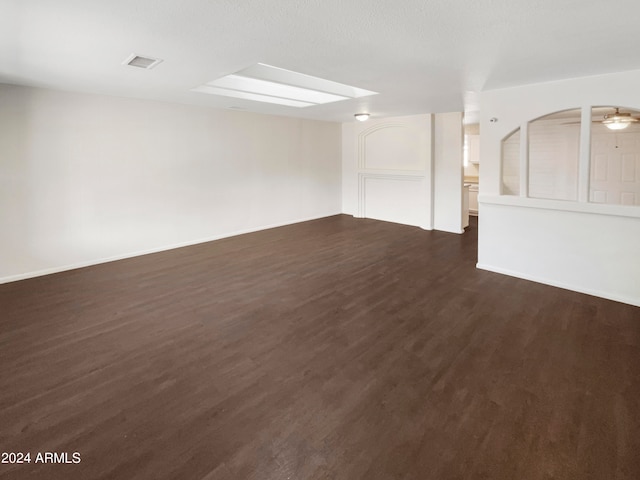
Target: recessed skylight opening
x=141, y=62
x=250, y=96
x=264, y=83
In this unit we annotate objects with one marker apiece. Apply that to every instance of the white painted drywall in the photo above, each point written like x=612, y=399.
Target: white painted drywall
x=85, y=178
x=448, y=172
x=580, y=246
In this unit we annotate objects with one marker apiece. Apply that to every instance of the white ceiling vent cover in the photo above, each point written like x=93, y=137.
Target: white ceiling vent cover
x=141, y=62
x=265, y=83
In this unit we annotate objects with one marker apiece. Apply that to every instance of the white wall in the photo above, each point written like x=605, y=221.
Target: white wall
x=448, y=172
x=84, y=178
x=577, y=245
x=389, y=170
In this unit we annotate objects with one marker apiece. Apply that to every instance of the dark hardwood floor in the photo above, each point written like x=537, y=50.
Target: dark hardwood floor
x=340, y=349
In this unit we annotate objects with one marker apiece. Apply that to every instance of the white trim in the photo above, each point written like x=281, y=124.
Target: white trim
x=524, y=160
x=584, y=165
x=48, y=271
x=597, y=293
x=631, y=211
x=430, y=172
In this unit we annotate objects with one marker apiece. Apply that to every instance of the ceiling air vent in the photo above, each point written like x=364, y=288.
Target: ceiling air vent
x=141, y=62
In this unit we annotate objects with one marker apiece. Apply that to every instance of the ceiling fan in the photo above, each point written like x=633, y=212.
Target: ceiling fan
x=614, y=121
x=618, y=121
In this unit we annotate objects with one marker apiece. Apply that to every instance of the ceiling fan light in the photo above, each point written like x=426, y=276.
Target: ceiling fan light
x=618, y=121
x=617, y=125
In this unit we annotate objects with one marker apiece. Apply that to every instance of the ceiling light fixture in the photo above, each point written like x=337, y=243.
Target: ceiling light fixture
x=264, y=83
x=618, y=121
x=362, y=117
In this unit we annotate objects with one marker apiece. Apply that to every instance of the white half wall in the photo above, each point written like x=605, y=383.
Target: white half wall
x=577, y=251
x=88, y=178
x=582, y=246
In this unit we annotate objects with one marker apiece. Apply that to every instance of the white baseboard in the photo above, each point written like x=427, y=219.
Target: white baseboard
x=63, y=268
x=596, y=293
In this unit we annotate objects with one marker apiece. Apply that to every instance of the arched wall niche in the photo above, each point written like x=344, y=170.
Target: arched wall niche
x=388, y=169
x=391, y=146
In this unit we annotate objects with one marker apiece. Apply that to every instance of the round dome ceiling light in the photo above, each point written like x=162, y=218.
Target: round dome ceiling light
x=362, y=117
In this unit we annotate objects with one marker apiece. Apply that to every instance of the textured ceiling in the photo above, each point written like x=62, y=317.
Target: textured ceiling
x=421, y=55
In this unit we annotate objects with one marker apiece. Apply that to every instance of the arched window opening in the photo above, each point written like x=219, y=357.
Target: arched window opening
x=545, y=161
x=554, y=153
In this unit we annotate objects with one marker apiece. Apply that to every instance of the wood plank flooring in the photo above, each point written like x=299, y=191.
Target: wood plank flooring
x=339, y=349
